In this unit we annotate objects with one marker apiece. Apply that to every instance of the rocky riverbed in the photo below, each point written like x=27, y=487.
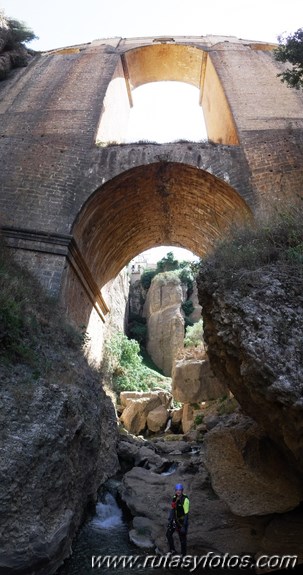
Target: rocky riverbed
x=241, y=501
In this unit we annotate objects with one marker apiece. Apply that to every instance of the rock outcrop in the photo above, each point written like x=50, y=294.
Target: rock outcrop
x=213, y=526
x=58, y=445
x=165, y=322
x=58, y=428
x=193, y=381
x=253, y=326
x=247, y=470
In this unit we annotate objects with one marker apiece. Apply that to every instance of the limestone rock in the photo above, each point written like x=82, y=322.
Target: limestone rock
x=283, y=533
x=248, y=472
x=165, y=322
x=127, y=397
x=253, y=330
x=212, y=526
x=134, y=415
x=157, y=418
x=193, y=381
x=197, y=313
x=137, y=406
x=187, y=418
x=140, y=539
x=57, y=448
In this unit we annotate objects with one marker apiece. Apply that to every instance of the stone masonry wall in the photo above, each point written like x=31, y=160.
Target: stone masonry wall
x=50, y=112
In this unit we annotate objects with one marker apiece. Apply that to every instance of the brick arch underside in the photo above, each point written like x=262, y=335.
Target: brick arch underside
x=148, y=206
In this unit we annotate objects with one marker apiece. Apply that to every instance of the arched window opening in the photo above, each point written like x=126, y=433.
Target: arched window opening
x=165, y=112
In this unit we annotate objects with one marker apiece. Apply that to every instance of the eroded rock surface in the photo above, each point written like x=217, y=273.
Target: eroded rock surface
x=57, y=447
x=193, y=381
x=247, y=470
x=253, y=326
x=165, y=322
x=213, y=526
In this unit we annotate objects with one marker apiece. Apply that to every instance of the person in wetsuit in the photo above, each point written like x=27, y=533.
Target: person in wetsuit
x=178, y=520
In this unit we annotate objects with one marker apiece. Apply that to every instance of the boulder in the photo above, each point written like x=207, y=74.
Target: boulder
x=248, y=472
x=157, y=419
x=127, y=397
x=134, y=416
x=193, y=381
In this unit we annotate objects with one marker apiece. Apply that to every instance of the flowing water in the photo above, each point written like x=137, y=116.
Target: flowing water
x=106, y=533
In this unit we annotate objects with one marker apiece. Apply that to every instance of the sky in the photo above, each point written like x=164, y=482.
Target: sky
x=61, y=23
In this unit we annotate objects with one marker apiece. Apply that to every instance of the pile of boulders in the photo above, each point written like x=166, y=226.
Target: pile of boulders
x=141, y=411
x=151, y=413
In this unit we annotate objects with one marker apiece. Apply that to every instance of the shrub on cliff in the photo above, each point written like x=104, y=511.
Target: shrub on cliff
x=194, y=334
x=32, y=331
x=278, y=238
x=290, y=50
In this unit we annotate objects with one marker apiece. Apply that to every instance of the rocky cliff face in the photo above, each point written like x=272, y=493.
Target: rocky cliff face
x=253, y=327
x=58, y=446
x=165, y=321
x=58, y=428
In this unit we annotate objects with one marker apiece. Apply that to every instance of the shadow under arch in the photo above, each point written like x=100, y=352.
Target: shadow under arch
x=163, y=203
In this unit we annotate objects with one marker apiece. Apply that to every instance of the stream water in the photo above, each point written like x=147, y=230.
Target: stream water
x=104, y=534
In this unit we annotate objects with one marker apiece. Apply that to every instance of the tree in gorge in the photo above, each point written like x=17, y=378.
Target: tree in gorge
x=290, y=49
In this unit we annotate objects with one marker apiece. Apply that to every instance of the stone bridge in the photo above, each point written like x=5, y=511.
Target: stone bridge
x=77, y=203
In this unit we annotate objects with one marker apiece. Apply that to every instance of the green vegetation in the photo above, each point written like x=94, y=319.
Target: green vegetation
x=146, y=278
x=227, y=405
x=290, y=49
x=32, y=330
x=137, y=328
x=124, y=368
x=171, y=268
x=275, y=239
x=188, y=307
x=20, y=33
x=194, y=334
x=167, y=264
x=199, y=419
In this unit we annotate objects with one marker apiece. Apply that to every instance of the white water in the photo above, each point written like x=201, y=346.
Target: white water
x=108, y=514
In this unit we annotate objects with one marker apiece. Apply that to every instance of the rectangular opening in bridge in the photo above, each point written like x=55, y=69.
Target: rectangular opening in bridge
x=159, y=112
x=166, y=112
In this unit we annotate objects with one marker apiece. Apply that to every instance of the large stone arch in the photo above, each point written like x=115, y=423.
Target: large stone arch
x=164, y=203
